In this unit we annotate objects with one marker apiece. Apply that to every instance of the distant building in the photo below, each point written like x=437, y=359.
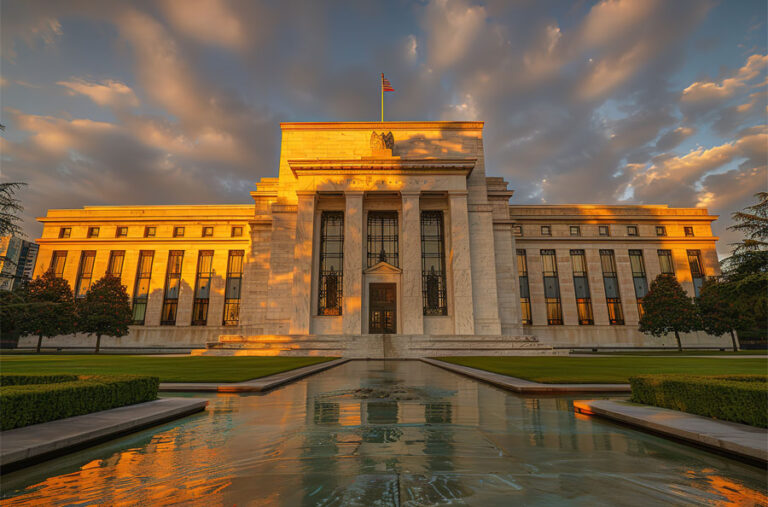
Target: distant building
x=382, y=239
x=17, y=261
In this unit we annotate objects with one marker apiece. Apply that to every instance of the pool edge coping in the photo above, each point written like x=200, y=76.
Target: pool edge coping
x=44, y=441
x=523, y=386
x=725, y=437
x=257, y=385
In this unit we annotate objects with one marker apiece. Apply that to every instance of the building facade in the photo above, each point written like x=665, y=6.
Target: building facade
x=17, y=261
x=381, y=240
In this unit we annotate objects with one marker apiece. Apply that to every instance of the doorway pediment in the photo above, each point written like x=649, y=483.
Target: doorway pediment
x=383, y=267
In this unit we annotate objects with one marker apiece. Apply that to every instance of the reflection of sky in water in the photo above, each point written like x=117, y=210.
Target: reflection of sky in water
x=387, y=433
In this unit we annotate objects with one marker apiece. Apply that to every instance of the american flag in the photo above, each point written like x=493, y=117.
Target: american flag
x=385, y=84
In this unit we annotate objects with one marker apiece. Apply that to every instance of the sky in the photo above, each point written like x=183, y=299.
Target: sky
x=179, y=101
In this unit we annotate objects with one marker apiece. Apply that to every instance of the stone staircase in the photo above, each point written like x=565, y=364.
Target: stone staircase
x=376, y=346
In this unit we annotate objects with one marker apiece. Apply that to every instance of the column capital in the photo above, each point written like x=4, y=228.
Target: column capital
x=353, y=193
x=410, y=193
x=304, y=194
x=458, y=193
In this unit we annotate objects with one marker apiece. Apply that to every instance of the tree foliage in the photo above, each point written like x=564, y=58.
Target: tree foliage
x=50, y=308
x=13, y=315
x=105, y=310
x=668, y=309
x=718, y=310
x=10, y=207
x=753, y=222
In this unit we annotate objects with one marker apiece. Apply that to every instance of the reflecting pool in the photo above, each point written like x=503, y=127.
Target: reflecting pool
x=388, y=433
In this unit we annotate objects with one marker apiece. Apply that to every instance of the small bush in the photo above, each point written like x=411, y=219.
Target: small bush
x=22, y=404
x=737, y=398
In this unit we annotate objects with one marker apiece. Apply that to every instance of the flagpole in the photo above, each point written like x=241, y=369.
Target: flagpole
x=381, y=85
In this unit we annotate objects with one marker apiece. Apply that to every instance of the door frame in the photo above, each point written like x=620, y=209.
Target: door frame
x=393, y=287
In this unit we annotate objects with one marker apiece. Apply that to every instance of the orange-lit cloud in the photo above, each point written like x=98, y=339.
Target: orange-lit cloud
x=709, y=90
x=106, y=93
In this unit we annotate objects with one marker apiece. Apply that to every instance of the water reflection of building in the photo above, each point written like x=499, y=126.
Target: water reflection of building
x=357, y=239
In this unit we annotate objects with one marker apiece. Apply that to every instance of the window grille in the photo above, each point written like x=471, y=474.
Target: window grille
x=433, y=284
x=331, y=279
x=383, y=238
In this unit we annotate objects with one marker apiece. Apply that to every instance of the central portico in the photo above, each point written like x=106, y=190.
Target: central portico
x=381, y=229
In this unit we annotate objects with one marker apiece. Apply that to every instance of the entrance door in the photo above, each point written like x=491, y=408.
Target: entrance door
x=382, y=315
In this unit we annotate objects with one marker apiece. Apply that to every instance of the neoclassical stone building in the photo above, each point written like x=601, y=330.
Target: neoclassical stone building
x=381, y=240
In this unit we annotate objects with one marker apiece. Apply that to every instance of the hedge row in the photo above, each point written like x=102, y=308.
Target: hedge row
x=742, y=399
x=21, y=380
x=22, y=405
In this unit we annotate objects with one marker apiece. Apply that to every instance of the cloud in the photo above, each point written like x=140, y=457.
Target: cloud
x=453, y=27
x=212, y=22
x=710, y=91
x=674, y=137
x=106, y=93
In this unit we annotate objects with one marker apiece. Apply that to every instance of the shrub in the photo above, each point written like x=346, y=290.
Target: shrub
x=737, y=398
x=22, y=380
x=22, y=404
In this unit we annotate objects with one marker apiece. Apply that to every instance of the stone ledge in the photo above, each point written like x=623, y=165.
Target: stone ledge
x=257, y=385
x=740, y=440
x=519, y=385
x=31, y=444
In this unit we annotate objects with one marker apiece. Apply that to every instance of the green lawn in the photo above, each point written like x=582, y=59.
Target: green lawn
x=607, y=370
x=169, y=369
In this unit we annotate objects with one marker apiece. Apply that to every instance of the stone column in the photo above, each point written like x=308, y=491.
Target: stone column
x=412, y=320
x=352, y=304
x=463, y=317
x=302, y=267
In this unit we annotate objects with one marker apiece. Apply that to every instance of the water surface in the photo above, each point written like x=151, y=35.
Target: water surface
x=388, y=433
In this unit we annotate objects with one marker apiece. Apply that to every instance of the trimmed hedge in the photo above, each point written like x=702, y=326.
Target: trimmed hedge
x=737, y=398
x=33, y=403
x=22, y=380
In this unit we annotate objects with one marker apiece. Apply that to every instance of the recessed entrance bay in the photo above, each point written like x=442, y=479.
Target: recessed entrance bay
x=388, y=433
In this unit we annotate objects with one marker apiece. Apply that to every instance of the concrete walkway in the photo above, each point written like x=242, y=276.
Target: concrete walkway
x=519, y=385
x=252, y=386
x=20, y=447
x=741, y=440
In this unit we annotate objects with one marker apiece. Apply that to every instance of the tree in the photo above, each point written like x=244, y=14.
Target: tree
x=668, y=309
x=105, y=309
x=719, y=313
x=13, y=315
x=50, y=309
x=10, y=206
x=753, y=222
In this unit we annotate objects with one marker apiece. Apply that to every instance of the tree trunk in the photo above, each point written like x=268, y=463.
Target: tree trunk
x=679, y=345
x=733, y=340
x=98, y=343
x=39, y=342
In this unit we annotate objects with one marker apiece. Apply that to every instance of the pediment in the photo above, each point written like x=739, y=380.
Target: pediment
x=383, y=267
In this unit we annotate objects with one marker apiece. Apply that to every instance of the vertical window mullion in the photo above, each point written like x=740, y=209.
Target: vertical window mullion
x=233, y=288
x=202, y=288
x=638, y=277
x=551, y=288
x=526, y=317
x=141, y=288
x=115, y=266
x=84, y=273
x=611, y=283
x=581, y=288
x=172, y=287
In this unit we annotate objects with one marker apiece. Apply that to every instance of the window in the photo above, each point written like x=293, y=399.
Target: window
x=172, y=285
x=233, y=287
x=632, y=230
x=546, y=230
x=697, y=270
x=639, y=279
x=202, y=287
x=665, y=262
x=149, y=232
x=661, y=230
x=93, y=232
x=84, y=273
x=551, y=288
x=525, y=293
x=688, y=231
x=65, y=232
x=517, y=230
x=611, y=283
x=207, y=232
x=237, y=231
x=575, y=230
x=178, y=232
x=383, y=238
x=121, y=232
x=330, y=281
x=604, y=230
x=57, y=263
x=433, y=264
x=141, y=290
x=581, y=287
x=115, y=265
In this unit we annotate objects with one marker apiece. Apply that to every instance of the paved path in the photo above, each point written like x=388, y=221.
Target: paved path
x=519, y=385
x=256, y=385
x=30, y=444
x=747, y=442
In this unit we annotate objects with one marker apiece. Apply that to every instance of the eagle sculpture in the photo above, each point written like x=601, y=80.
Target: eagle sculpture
x=382, y=141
